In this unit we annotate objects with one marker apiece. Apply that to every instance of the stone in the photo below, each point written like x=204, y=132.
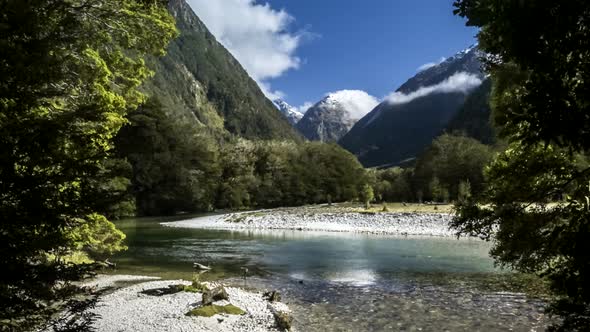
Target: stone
x=273, y=296
x=215, y=294
x=283, y=319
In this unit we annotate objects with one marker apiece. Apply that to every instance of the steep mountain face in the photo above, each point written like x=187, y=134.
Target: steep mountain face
x=288, y=111
x=402, y=126
x=473, y=119
x=332, y=117
x=466, y=61
x=200, y=81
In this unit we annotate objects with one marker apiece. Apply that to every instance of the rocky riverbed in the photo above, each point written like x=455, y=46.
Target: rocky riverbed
x=308, y=219
x=135, y=308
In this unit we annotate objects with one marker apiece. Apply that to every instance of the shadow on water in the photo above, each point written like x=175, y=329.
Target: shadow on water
x=354, y=282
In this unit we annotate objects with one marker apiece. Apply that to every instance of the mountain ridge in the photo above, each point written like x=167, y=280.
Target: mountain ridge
x=201, y=82
x=290, y=112
x=403, y=125
x=332, y=117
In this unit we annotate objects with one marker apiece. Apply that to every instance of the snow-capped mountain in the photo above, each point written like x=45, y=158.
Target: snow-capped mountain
x=332, y=117
x=407, y=121
x=290, y=112
x=466, y=61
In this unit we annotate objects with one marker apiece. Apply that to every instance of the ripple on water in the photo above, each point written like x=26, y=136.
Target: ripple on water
x=340, y=305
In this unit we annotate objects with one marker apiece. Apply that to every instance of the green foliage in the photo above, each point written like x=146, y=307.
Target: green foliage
x=274, y=174
x=545, y=45
x=464, y=189
x=436, y=189
x=201, y=83
x=452, y=160
x=97, y=237
x=174, y=164
x=195, y=287
x=474, y=118
x=367, y=195
x=540, y=67
x=183, y=168
x=394, y=185
x=69, y=75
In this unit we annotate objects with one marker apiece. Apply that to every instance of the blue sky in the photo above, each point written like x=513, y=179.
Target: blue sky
x=304, y=49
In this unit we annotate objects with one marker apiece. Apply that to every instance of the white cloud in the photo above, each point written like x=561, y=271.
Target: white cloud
x=269, y=93
x=303, y=108
x=431, y=64
x=256, y=34
x=459, y=82
x=358, y=103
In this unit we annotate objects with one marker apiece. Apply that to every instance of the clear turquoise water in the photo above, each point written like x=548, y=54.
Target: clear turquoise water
x=342, y=281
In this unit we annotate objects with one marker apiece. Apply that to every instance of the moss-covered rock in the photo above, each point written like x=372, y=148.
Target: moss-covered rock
x=196, y=287
x=212, y=310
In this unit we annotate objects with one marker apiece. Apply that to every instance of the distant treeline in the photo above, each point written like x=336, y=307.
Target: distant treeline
x=176, y=167
x=166, y=166
x=451, y=169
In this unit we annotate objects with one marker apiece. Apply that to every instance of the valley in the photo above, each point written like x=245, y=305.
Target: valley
x=263, y=166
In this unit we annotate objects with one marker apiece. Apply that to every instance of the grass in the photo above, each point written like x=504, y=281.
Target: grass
x=195, y=287
x=349, y=207
x=401, y=208
x=212, y=310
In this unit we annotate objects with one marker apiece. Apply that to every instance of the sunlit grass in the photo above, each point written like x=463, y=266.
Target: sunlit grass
x=400, y=207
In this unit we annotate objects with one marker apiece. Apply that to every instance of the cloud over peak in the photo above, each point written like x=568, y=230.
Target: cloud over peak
x=358, y=103
x=303, y=108
x=459, y=82
x=256, y=34
x=431, y=64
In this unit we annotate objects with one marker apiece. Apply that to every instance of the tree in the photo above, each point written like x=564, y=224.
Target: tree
x=453, y=159
x=436, y=189
x=367, y=195
x=175, y=164
x=394, y=184
x=464, y=191
x=539, y=61
x=70, y=71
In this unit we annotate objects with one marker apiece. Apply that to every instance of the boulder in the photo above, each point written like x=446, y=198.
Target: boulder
x=214, y=295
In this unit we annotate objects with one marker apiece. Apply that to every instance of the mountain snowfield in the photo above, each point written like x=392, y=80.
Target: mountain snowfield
x=332, y=117
x=290, y=112
x=355, y=103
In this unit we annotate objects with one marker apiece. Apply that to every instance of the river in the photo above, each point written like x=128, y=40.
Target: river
x=345, y=281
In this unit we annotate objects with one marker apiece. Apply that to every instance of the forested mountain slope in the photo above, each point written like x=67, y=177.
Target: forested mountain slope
x=473, y=119
x=200, y=80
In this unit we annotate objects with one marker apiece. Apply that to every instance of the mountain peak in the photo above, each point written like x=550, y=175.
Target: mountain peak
x=333, y=116
x=465, y=61
x=355, y=103
x=290, y=112
x=407, y=121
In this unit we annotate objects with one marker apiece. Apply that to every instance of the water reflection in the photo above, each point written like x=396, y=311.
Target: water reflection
x=310, y=255
x=353, y=282
x=357, y=278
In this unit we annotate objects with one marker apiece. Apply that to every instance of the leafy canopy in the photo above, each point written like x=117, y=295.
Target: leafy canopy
x=70, y=71
x=537, y=206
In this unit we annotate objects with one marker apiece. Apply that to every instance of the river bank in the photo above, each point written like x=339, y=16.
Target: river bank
x=328, y=219
x=132, y=306
x=343, y=281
